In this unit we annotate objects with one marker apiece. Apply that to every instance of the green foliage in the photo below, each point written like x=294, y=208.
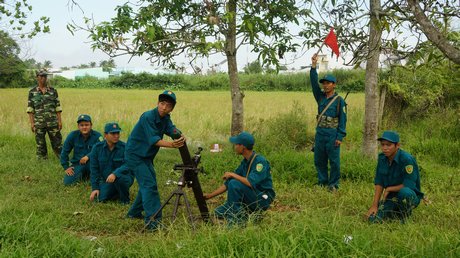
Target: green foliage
x=16, y=13
x=292, y=124
x=349, y=80
x=165, y=29
x=11, y=66
x=253, y=67
x=352, y=20
x=107, y=65
x=411, y=92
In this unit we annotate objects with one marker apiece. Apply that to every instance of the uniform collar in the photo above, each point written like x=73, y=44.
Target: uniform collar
x=395, y=159
x=105, y=145
x=90, y=133
x=46, y=89
x=156, y=116
x=250, y=158
x=333, y=95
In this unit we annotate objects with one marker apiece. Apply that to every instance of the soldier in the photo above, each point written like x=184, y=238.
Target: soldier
x=44, y=111
x=249, y=188
x=330, y=129
x=81, y=141
x=110, y=178
x=142, y=147
x=397, y=180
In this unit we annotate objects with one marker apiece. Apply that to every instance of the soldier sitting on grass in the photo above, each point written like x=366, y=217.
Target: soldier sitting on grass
x=249, y=188
x=110, y=178
x=81, y=141
x=397, y=179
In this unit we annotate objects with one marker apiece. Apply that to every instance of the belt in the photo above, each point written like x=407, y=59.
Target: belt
x=328, y=122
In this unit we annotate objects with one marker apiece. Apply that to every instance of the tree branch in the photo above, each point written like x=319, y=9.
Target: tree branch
x=433, y=34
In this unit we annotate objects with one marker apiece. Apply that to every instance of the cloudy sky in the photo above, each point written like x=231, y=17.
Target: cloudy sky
x=63, y=49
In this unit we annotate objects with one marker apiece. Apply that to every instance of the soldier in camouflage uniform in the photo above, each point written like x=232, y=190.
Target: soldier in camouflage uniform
x=44, y=111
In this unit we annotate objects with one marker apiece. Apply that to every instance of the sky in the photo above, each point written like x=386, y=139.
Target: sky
x=64, y=49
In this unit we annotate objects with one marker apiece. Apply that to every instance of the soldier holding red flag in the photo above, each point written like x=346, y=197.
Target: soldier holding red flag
x=330, y=128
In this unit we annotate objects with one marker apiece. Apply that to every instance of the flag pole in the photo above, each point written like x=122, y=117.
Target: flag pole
x=320, y=47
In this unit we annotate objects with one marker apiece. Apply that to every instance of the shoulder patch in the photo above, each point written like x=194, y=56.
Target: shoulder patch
x=101, y=138
x=409, y=169
x=259, y=167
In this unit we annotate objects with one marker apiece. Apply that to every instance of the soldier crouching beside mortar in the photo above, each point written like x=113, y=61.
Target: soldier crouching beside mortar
x=249, y=188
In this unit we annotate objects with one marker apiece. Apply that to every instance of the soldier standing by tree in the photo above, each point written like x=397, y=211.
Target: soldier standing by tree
x=330, y=128
x=44, y=111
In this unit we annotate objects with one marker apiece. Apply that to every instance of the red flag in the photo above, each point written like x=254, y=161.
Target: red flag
x=331, y=41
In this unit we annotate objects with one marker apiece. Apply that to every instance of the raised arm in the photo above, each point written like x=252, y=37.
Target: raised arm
x=314, y=78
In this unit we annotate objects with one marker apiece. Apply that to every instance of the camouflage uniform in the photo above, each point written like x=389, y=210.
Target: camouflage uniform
x=44, y=107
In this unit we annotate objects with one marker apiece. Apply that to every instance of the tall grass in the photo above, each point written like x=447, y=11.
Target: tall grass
x=41, y=217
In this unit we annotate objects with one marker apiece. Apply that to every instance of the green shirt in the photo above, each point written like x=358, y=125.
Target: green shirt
x=104, y=162
x=403, y=170
x=337, y=109
x=259, y=175
x=80, y=146
x=44, y=106
x=146, y=133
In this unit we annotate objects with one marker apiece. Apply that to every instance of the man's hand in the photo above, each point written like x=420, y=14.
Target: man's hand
x=32, y=127
x=207, y=196
x=178, y=142
x=314, y=60
x=111, y=178
x=84, y=160
x=372, y=211
x=94, y=194
x=227, y=175
x=337, y=143
x=70, y=171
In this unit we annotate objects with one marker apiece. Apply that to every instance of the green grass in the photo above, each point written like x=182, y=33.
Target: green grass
x=36, y=210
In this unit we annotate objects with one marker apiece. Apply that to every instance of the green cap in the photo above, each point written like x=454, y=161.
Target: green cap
x=328, y=78
x=246, y=139
x=83, y=117
x=169, y=95
x=112, y=128
x=390, y=136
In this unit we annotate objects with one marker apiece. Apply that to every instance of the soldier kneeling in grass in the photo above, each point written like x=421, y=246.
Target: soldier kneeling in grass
x=397, y=179
x=249, y=187
x=81, y=141
x=110, y=177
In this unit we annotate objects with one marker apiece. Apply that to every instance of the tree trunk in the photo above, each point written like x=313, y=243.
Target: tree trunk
x=371, y=112
x=383, y=93
x=230, y=51
x=432, y=33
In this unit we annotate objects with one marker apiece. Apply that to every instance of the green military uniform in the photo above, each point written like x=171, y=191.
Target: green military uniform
x=402, y=170
x=104, y=162
x=44, y=106
x=243, y=200
x=331, y=127
x=140, y=152
x=81, y=147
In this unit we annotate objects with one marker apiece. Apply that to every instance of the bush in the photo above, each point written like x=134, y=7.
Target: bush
x=348, y=80
x=411, y=92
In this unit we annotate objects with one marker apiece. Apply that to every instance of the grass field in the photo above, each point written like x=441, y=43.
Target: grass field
x=37, y=211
